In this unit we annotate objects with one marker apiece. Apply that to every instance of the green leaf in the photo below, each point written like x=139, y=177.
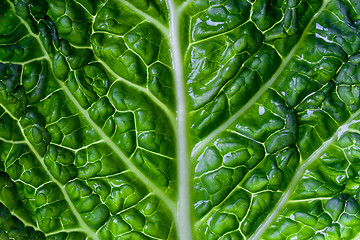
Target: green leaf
x=197, y=119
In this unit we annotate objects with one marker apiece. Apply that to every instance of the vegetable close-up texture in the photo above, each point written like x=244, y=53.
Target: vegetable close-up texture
x=179, y=120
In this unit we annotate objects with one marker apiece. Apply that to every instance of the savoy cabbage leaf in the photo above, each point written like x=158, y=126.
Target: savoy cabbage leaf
x=172, y=119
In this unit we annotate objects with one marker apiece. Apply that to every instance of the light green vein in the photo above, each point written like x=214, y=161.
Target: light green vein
x=299, y=174
x=117, y=150
x=11, y=141
x=167, y=111
x=202, y=144
x=27, y=224
x=70, y=230
x=310, y=199
x=147, y=17
x=24, y=62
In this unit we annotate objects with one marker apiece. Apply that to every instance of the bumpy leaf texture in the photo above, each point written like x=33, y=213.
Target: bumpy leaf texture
x=171, y=119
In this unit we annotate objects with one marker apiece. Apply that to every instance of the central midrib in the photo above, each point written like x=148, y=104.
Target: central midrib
x=184, y=203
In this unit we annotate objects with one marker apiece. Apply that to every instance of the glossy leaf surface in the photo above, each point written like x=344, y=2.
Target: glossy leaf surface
x=170, y=119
